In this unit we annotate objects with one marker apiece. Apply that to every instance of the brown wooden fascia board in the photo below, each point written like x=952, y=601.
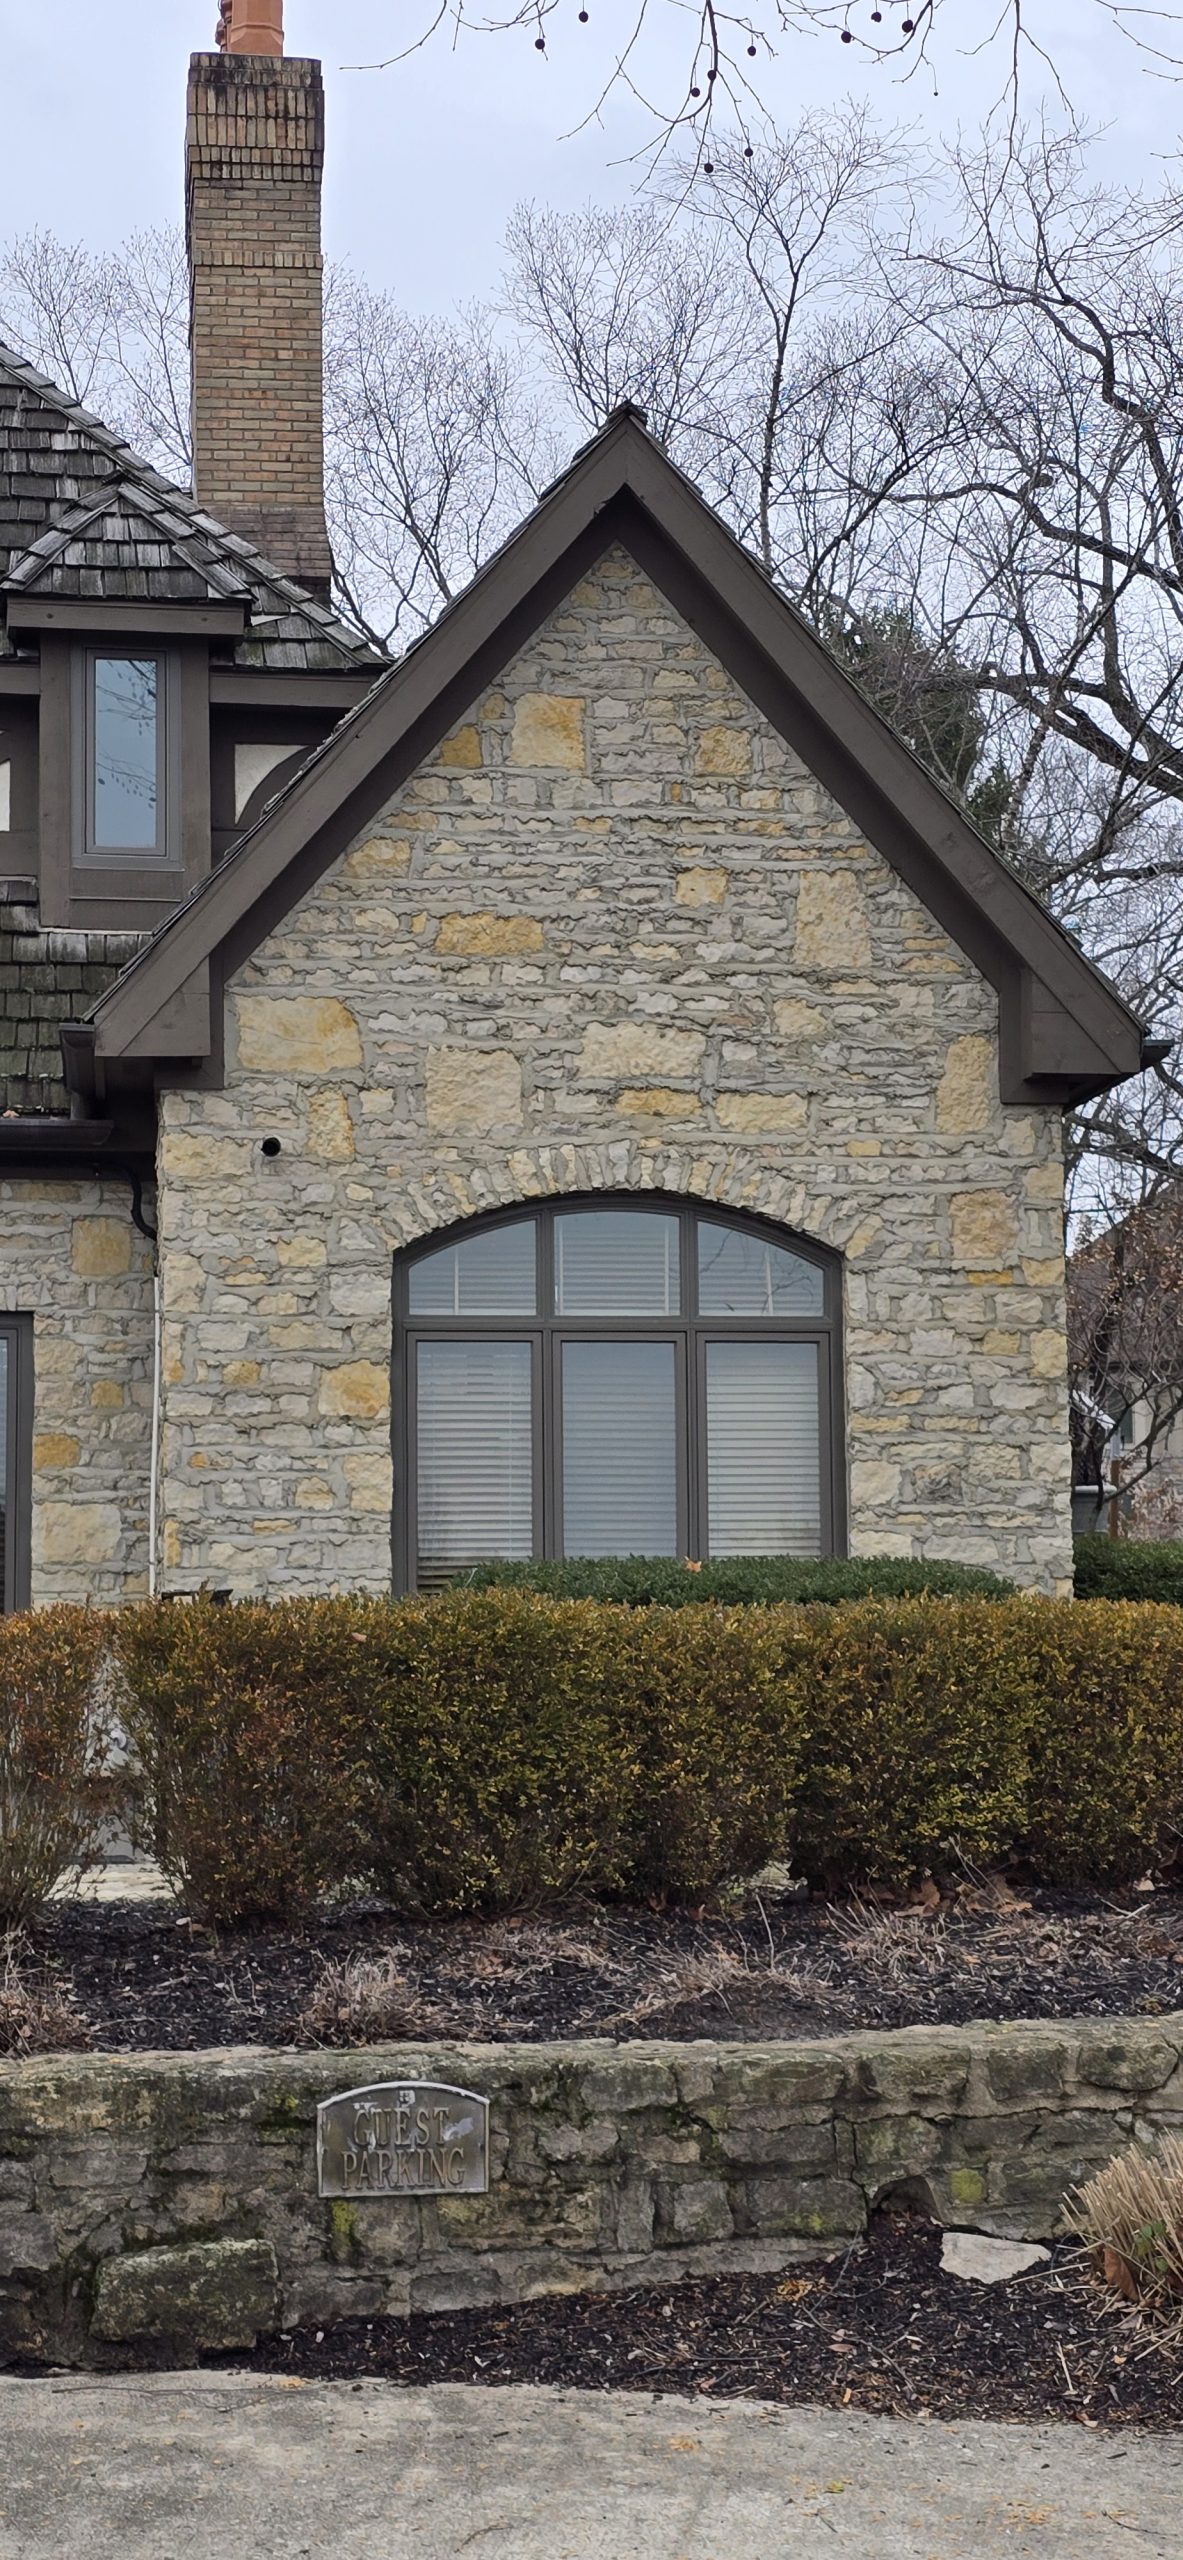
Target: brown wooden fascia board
x=274, y=689
x=116, y=614
x=181, y=1028
x=739, y=614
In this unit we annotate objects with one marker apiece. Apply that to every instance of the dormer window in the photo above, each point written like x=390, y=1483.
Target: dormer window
x=125, y=808
x=124, y=772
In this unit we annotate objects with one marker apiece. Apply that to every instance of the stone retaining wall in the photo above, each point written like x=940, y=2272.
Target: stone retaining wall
x=172, y=2198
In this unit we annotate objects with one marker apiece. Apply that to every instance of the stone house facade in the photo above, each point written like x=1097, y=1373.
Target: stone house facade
x=609, y=1097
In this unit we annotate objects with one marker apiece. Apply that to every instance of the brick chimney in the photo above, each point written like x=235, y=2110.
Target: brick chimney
x=254, y=165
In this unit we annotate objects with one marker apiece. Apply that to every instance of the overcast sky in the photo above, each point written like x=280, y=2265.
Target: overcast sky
x=427, y=160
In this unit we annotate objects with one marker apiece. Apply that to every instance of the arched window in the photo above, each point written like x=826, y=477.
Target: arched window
x=614, y=1377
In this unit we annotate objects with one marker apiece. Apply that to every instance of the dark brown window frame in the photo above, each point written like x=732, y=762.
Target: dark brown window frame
x=546, y=1332
x=131, y=890
x=16, y=1332
x=164, y=854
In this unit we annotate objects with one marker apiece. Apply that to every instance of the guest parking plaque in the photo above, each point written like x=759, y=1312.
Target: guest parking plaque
x=402, y=2138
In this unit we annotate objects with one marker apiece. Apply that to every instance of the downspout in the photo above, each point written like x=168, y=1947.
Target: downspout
x=154, y=1454
x=145, y=1228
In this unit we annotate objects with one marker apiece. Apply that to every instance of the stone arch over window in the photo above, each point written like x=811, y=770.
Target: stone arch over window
x=614, y=1374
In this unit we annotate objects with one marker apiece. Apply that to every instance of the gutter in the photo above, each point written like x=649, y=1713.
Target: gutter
x=43, y=1136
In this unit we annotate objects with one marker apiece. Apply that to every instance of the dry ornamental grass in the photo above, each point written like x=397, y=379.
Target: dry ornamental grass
x=1130, y=2217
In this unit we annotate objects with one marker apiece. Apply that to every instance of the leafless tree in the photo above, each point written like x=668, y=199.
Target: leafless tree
x=436, y=448
x=693, y=65
x=112, y=329
x=1125, y=1351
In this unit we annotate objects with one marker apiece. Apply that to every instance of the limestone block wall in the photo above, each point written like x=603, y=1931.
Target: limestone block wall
x=73, y=1261
x=611, y=935
x=158, y=2196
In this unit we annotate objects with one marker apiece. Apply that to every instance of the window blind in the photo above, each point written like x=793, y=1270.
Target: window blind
x=616, y=1262
x=620, y=1477
x=486, y=1275
x=740, y=1274
x=763, y=1449
x=474, y=1476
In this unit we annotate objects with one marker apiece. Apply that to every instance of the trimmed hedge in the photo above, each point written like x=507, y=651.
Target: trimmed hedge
x=482, y=1750
x=667, y=1582
x=473, y=1752
x=1129, y=1569
x=54, y=1739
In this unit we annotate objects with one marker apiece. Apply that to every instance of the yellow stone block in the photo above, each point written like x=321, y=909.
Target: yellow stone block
x=755, y=1112
x=864, y=1147
x=548, y=730
x=832, y=931
x=100, y=1248
x=1044, y=1275
x=638, y=1050
x=72, y=1533
x=462, y=748
x=330, y=1127
x=724, y=750
x=484, y=936
x=798, y=1021
x=301, y=1253
x=370, y=1477
x=657, y=1102
x=377, y=858
x=359, y=1388
x=985, y=1228
x=186, y=1156
x=172, y=1544
x=471, y=1091
x=700, y=888
x=1045, y=1182
x=968, y=1090
x=1047, y=1353
x=313, y=1494
x=107, y=1396
x=241, y=1373
x=55, y=1449
x=294, y=1035
x=1000, y=1346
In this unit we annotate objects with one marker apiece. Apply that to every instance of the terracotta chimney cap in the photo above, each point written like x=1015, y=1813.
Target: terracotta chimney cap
x=251, y=26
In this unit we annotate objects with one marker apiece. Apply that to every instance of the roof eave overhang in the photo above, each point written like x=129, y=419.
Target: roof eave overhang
x=1063, y=1027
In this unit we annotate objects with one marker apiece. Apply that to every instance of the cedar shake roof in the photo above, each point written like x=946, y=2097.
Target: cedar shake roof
x=83, y=517
x=1064, y=1030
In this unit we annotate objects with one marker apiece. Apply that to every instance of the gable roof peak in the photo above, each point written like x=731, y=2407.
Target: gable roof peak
x=1065, y=1031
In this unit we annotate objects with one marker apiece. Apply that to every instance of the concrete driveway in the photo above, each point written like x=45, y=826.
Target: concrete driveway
x=212, y=2466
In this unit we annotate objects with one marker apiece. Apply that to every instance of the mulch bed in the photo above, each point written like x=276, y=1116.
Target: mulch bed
x=780, y=1966
x=881, y=2329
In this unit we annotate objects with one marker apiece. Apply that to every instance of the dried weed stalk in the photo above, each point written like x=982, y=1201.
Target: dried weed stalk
x=36, y=2015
